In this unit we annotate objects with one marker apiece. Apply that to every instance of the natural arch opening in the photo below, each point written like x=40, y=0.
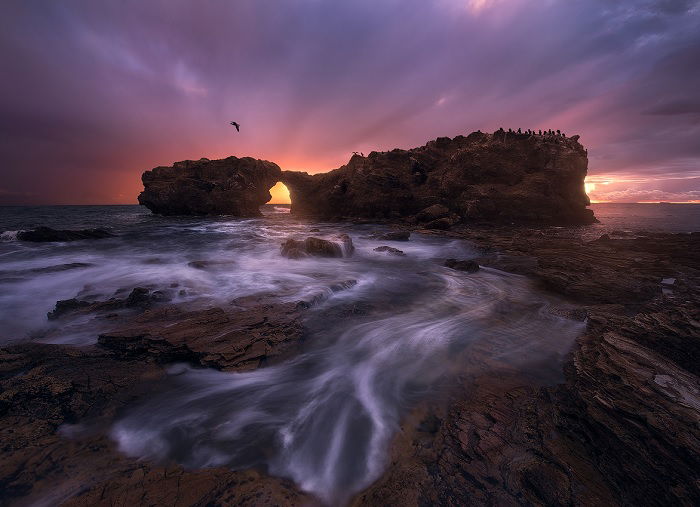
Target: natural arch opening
x=280, y=201
x=280, y=194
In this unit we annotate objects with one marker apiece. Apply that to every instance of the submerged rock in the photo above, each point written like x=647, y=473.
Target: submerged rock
x=341, y=246
x=390, y=250
x=468, y=265
x=47, y=234
x=391, y=236
x=65, y=306
x=139, y=297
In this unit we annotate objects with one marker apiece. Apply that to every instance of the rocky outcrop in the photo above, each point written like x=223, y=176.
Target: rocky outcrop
x=340, y=246
x=468, y=266
x=53, y=402
x=500, y=177
x=47, y=234
x=250, y=333
x=622, y=427
x=390, y=250
x=231, y=186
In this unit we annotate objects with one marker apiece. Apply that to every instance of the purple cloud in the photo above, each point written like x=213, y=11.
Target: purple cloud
x=96, y=92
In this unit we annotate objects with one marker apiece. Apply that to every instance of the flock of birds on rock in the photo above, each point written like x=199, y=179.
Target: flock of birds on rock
x=550, y=132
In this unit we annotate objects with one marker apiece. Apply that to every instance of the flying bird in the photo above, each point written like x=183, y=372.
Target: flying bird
x=238, y=127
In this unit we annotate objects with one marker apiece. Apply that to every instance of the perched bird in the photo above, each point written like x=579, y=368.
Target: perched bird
x=238, y=127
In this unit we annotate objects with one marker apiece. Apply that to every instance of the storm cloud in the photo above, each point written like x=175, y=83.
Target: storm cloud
x=94, y=93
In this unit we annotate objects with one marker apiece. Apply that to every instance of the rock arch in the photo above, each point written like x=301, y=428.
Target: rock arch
x=476, y=178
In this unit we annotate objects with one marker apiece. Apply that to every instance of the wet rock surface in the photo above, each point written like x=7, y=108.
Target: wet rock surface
x=47, y=234
x=620, y=430
x=139, y=297
x=53, y=399
x=247, y=334
x=340, y=246
x=466, y=265
x=390, y=250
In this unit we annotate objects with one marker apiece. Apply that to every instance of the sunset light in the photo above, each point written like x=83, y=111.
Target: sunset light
x=349, y=253
x=280, y=194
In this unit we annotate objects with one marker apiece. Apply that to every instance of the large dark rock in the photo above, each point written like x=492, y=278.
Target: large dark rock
x=47, y=234
x=478, y=178
x=318, y=247
x=232, y=186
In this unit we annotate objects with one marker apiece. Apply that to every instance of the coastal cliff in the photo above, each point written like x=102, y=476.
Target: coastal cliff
x=501, y=177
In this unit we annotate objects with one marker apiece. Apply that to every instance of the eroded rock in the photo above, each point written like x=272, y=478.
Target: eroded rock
x=340, y=246
x=478, y=178
x=231, y=186
x=390, y=250
x=47, y=234
x=245, y=335
x=469, y=266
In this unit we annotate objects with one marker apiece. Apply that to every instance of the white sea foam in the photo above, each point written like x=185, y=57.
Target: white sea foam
x=9, y=236
x=324, y=418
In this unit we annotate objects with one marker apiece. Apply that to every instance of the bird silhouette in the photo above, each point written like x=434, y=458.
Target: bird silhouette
x=238, y=127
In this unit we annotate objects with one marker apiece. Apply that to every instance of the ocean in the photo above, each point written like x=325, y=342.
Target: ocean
x=325, y=417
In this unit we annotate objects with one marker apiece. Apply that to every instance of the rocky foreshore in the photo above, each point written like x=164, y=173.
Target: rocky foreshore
x=621, y=429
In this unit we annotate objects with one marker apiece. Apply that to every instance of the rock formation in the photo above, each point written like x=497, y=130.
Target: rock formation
x=231, y=186
x=621, y=429
x=340, y=246
x=47, y=234
x=479, y=178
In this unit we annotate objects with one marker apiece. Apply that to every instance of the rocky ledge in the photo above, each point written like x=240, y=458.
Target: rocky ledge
x=621, y=429
x=497, y=178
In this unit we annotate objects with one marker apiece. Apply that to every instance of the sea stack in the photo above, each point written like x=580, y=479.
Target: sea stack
x=480, y=178
x=231, y=186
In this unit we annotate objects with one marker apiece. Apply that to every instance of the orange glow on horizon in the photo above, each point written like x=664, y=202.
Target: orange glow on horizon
x=280, y=194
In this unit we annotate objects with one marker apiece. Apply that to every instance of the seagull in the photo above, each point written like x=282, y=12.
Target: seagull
x=238, y=127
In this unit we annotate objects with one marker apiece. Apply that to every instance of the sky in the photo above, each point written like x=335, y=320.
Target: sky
x=94, y=93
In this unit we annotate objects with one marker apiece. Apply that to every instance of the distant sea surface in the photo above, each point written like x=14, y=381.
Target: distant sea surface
x=612, y=216
x=647, y=217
